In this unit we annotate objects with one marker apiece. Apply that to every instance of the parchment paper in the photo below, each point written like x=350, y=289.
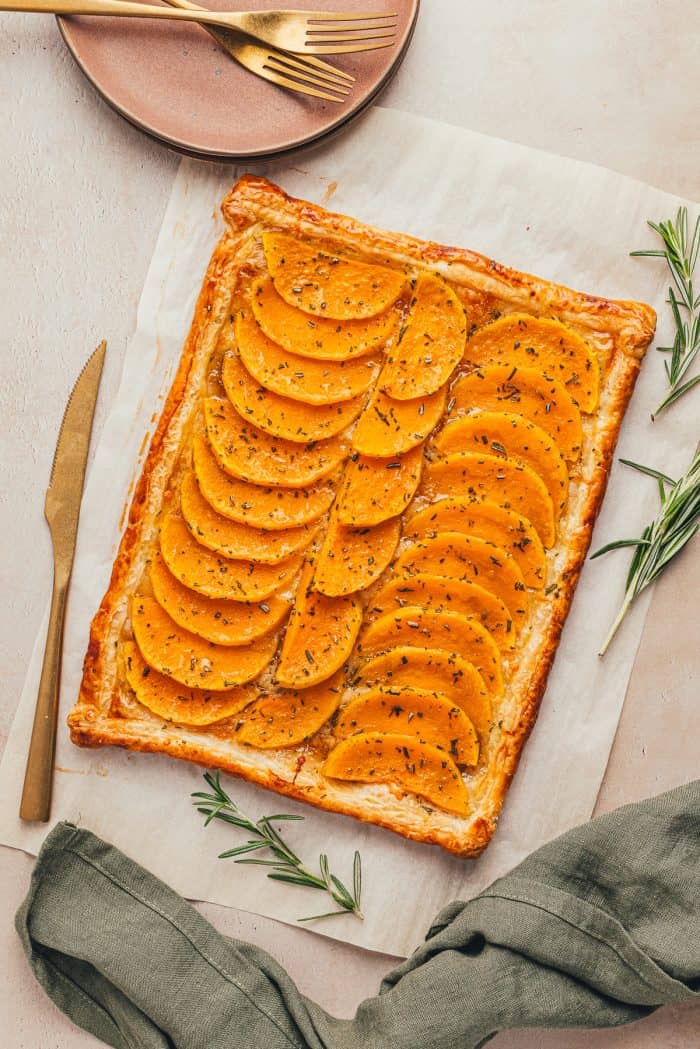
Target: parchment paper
x=558, y=218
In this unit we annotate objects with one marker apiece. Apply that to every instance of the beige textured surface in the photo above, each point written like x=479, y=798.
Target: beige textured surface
x=81, y=200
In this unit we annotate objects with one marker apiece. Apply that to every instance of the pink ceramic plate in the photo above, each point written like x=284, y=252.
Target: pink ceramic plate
x=175, y=82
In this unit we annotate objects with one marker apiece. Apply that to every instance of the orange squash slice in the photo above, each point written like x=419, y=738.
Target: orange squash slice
x=486, y=520
x=479, y=475
x=449, y=595
x=446, y=631
x=318, y=337
x=431, y=343
x=458, y=556
x=288, y=717
x=546, y=345
x=320, y=635
x=351, y=559
x=402, y=761
x=301, y=379
x=389, y=427
x=219, y=621
x=253, y=455
x=429, y=670
x=527, y=392
x=426, y=716
x=268, y=507
x=508, y=435
x=232, y=538
x=175, y=702
x=326, y=284
x=281, y=416
x=190, y=659
x=374, y=490
x=215, y=576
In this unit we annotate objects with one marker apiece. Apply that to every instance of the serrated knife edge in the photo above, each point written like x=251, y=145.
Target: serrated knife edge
x=94, y=361
x=65, y=488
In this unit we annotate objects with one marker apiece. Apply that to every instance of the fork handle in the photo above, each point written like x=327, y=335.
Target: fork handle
x=185, y=5
x=121, y=9
x=38, y=777
x=228, y=38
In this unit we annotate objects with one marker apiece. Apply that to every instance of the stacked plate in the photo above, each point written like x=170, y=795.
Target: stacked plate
x=174, y=82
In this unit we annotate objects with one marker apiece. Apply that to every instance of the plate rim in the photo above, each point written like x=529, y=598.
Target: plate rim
x=192, y=150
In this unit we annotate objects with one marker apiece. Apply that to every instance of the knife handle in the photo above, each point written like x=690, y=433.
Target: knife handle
x=38, y=777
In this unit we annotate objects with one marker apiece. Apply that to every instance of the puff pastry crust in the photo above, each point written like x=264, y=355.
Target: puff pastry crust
x=618, y=333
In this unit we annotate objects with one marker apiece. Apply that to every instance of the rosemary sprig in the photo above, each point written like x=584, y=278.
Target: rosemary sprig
x=681, y=254
x=286, y=865
x=676, y=524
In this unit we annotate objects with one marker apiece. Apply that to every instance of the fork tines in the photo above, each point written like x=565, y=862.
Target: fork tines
x=341, y=28
x=295, y=72
x=350, y=16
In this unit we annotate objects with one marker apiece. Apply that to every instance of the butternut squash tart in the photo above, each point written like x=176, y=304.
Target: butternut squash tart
x=361, y=520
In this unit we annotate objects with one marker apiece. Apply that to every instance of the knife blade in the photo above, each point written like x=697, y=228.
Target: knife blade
x=62, y=512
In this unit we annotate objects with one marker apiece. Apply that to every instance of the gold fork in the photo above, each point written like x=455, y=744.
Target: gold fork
x=311, y=75
x=307, y=32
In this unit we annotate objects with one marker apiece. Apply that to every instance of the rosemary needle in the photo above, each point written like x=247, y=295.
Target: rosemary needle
x=681, y=254
x=286, y=866
x=676, y=524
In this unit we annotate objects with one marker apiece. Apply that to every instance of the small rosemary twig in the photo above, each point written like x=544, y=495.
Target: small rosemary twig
x=681, y=254
x=286, y=865
x=675, y=525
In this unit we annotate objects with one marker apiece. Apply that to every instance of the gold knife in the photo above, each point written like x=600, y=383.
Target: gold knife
x=62, y=510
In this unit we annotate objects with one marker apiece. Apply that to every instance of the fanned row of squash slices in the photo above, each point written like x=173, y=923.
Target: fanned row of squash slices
x=356, y=533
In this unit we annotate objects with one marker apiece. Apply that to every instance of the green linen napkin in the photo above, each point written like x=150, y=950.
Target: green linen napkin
x=596, y=929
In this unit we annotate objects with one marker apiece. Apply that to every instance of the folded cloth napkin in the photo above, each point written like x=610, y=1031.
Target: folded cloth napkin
x=596, y=929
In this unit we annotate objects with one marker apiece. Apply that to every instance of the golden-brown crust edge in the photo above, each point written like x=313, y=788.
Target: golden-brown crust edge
x=624, y=386
x=255, y=197
x=93, y=663
x=254, y=200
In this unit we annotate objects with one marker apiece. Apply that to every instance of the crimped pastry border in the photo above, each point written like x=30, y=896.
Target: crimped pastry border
x=253, y=204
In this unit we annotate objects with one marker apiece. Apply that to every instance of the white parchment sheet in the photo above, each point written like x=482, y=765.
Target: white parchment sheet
x=561, y=219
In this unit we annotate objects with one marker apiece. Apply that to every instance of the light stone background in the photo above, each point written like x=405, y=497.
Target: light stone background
x=615, y=82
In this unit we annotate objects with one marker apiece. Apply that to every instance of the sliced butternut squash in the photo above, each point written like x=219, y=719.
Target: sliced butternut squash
x=527, y=392
x=320, y=635
x=232, y=538
x=268, y=507
x=546, y=345
x=446, y=631
x=319, y=337
x=480, y=475
x=281, y=416
x=486, y=520
x=429, y=670
x=219, y=621
x=451, y=595
x=431, y=343
x=215, y=576
x=510, y=436
x=175, y=702
x=250, y=454
x=458, y=556
x=389, y=427
x=287, y=717
x=190, y=659
x=426, y=716
x=419, y=768
x=351, y=559
x=301, y=379
x=374, y=490
x=329, y=285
